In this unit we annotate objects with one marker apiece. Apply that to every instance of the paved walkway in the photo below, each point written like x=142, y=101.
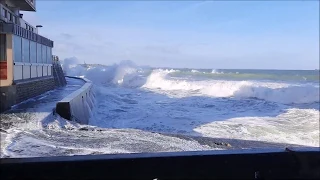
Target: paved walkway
x=37, y=108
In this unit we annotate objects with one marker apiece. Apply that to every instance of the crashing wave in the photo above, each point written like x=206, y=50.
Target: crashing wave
x=275, y=92
x=127, y=74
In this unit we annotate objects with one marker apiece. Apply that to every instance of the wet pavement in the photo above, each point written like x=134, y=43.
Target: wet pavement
x=39, y=107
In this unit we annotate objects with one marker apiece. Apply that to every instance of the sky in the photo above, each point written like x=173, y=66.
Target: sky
x=184, y=34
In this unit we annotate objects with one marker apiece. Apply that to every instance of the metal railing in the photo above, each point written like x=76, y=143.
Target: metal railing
x=27, y=34
x=8, y=16
x=289, y=163
x=55, y=60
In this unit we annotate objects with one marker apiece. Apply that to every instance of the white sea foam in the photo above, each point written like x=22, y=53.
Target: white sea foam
x=127, y=74
x=215, y=71
x=131, y=101
x=295, y=126
x=275, y=92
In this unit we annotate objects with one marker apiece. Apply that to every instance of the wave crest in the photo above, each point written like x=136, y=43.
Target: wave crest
x=275, y=92
x=127, y=74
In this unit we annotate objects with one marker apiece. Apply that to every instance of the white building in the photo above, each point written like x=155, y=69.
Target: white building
x=24, y=54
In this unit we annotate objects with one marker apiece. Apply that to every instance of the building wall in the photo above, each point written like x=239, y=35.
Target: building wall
x=25, y=59
x=11, y=95
x=32, y=88
x=8, y=97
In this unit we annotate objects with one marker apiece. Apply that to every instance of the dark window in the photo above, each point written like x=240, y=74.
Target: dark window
x=10, y=17
x=5, y=13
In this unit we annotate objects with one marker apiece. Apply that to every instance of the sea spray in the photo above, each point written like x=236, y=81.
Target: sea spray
x=260, y=105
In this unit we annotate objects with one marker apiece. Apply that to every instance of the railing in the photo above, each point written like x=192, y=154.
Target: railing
x=291, y=163
x=9, y=17
x=22, y=32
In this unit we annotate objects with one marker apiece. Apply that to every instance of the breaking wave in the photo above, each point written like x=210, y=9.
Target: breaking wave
x=276, y=92
x=215, y=71
x=127, y=74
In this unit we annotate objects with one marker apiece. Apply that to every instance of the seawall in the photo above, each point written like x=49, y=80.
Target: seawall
x=78, y=105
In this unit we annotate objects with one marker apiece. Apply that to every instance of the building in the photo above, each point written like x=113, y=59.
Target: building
x=25, y=56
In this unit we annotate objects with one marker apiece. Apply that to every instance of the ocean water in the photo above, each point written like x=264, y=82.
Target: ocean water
x=280, y=106
x=144, y=109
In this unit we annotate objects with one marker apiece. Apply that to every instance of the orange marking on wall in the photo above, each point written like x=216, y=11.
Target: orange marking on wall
x=3, y=70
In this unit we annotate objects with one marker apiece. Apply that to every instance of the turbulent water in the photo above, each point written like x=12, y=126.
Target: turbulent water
x=263, y=105
x=143, y=109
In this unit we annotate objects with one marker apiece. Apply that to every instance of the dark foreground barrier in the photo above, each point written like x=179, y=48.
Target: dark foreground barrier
x=78, y=105
x=239, y=164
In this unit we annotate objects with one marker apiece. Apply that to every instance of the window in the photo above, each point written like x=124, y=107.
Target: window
x=5, y=13
x=10, y=17
x=33, y=52
x=17, y=48
x=39, y=53
x=25, y=50
x=44, y=54
x=49, y=56
x=3, y=47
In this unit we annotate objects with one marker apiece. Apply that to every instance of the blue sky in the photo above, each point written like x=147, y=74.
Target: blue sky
x=192, y=34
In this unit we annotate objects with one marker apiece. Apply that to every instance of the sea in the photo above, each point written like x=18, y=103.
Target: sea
x=147, y=109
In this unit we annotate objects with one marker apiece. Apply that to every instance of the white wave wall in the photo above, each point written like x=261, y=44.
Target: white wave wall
x=128, y=74
x=114, y=74
x=275, y=92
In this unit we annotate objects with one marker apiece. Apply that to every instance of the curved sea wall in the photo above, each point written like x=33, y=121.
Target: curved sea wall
x=78, y=105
